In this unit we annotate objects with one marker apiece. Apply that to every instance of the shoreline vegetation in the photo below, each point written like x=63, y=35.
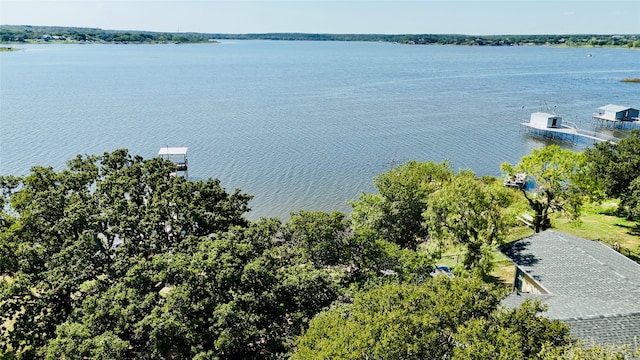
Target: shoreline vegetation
x=169, y=248
x=26, y=34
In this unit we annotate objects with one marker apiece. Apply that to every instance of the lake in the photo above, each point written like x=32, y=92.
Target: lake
x=299, y=125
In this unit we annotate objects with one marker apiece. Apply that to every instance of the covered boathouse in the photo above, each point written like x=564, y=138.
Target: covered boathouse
x=551, y=126
x=617, y=116
x=178, y=156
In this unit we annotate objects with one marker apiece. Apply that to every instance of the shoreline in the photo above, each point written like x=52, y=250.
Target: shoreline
x=8, y=46
x=65, y=34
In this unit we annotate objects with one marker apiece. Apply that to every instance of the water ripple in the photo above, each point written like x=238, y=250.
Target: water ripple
x=299, y=125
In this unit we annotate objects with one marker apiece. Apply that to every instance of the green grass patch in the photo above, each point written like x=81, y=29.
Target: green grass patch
x=503, y=269
x=452, y=257
x=598, y=222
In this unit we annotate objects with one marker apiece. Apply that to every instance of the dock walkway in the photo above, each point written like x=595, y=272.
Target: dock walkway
x=571, y=133
x=606, y=121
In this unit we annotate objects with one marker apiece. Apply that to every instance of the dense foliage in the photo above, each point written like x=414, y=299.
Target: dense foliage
x=442, y=319
x=85, y=249
x=24, y=33
x=396, y=211
x=617, y=168
x=421, y=202
x=115, y=257
x=562, y=183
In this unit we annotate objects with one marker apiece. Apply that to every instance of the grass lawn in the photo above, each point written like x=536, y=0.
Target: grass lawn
x=598, y=222
x=503, y=270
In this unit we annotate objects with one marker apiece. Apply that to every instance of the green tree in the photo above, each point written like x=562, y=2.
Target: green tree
x=520, y=333
x=617, y=168
x=632, y=199
x=441, y=319
x=561, y=182
x=396, y=212
x=71, y=234
x=580, y=351
x=75, y=341
x=367, y=213
x=325, y=240
x=322, y=237
x=469, y=212
x=115, y=250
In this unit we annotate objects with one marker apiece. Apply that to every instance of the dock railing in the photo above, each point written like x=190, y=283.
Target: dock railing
x=591, y=134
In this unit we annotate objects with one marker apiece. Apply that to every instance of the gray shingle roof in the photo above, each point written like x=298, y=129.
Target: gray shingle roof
x=592, y=287
x=618, y=330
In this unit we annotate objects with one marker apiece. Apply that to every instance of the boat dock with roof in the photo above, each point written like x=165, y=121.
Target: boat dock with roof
x=616, y=116
x=177, y=155
x=551, y=126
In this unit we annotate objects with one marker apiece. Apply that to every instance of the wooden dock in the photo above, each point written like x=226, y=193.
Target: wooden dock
x=518, y=181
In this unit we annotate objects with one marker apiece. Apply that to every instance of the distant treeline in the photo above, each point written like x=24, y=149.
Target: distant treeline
x=32, y=34
x=35, y=34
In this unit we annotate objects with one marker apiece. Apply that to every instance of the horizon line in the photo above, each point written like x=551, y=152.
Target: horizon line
x=310, y=33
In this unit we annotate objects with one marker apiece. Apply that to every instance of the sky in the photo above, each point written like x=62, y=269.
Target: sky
x=470, y=17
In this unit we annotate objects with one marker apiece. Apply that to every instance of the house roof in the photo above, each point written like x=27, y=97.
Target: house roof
x=620, y=329
x=615, y=108
x=587, y=282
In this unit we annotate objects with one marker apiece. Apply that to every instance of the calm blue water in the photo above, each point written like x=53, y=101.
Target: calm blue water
x=300, y=125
